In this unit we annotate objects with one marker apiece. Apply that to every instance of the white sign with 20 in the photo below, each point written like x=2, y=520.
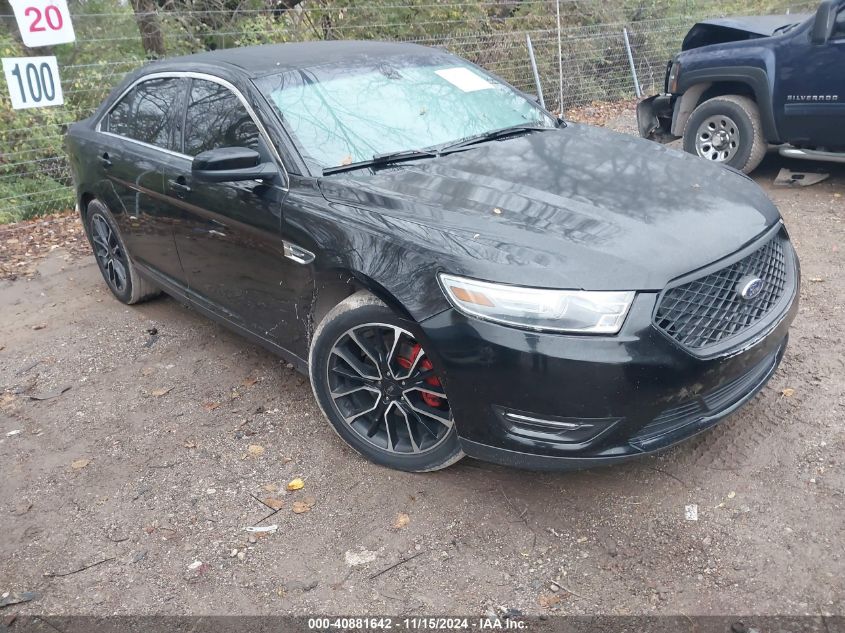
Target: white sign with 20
x=43, y=22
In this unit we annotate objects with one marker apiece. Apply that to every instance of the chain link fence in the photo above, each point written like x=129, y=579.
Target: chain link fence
x=593, y=64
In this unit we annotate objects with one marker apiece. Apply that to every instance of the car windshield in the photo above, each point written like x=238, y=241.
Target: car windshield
x=349, y=112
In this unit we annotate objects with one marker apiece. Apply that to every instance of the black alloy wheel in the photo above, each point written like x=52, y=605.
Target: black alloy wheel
x=379, y=388
x=110, y=254
x=387, y=390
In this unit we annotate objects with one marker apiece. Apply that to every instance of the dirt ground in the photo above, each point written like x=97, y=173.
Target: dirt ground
x=166, y=446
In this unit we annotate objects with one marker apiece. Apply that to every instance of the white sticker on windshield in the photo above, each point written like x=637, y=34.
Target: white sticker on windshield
x=464, y=79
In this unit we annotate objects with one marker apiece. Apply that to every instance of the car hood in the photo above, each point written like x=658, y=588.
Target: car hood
x=578, y=207
x=723, y=30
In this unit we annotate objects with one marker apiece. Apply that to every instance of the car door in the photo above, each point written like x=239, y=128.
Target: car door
x=812, y=88
x=137, y=133
x=230, y=242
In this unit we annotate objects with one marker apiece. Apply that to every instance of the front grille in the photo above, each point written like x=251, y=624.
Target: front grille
x=709, y=312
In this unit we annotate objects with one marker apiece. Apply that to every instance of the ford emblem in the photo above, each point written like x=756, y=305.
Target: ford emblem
x=749, y=287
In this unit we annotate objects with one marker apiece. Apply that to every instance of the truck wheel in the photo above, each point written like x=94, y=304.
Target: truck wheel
x=727, y=130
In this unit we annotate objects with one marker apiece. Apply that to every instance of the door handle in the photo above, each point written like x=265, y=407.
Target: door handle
x=180, y=185
x=104, y=159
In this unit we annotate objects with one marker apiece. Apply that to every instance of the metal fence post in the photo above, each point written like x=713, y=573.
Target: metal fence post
x=631, y=62
x=559, y=60
x=534, y=70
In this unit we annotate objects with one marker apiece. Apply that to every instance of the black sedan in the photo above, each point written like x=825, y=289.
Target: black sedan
x=458, y=271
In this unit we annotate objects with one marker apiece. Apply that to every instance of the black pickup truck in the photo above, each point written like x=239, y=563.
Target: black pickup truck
x=741, y=84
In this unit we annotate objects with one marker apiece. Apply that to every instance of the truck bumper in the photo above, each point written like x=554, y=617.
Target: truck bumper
x=654, y=118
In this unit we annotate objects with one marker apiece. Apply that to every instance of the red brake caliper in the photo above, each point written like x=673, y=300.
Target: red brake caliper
x=425, y=364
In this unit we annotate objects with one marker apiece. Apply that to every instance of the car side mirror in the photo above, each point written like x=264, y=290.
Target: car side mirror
x=231, y=164
x=824, y=22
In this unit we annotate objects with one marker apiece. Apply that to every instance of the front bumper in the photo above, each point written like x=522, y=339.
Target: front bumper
x=552, y=401
x=654, y=118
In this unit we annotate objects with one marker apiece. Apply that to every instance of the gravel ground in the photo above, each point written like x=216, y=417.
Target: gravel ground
x=165, y=446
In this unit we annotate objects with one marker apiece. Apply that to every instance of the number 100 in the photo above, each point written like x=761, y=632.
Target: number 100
x=39, y=82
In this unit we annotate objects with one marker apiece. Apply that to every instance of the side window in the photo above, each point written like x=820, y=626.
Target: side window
x=217, y=118
x=117, y=121
x=145, y=112
x=839, y=25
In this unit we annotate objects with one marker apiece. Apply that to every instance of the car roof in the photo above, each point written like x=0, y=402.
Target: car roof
x=272, y=58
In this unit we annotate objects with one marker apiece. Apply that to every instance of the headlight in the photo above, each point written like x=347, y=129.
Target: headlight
x=674, y=76
x=553, y=310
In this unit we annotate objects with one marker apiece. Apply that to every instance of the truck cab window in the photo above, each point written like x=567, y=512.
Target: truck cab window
x=839, y=25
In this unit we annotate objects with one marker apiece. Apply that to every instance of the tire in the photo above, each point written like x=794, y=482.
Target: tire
x=114, y=262
x=366, y=368
x=734, y=123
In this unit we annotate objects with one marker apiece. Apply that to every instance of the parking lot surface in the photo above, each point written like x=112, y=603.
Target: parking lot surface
x=149, y=438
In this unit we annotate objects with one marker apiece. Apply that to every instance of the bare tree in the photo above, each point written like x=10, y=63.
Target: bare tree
x=152, y=38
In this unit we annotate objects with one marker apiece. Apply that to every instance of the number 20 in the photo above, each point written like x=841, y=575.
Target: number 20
x=51, y=15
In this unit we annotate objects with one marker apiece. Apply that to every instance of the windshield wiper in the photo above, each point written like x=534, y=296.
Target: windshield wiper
x=383, y=159
x=413, y=154
x=493, y=135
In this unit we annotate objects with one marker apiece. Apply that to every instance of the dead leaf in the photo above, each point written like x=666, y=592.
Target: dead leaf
x=303, y=505
x=270, y=488
x=296, y=484
x=22, y=508
x=8, y=599
x=79, y=464
x=402, y=519
x=162, y=391
x=300, y=507
x=255, y=450
x=250, y=380
x=547, y=601
x=788, y=392
x=273, y=502
x=210, y=406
